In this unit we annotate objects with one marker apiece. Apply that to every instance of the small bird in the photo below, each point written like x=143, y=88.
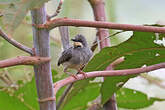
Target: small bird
x=76, y=56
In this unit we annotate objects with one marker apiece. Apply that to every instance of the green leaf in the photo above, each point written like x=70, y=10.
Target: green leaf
x=79, y=100
x=133, y=99
x=139, y=43
x=24, y=98
x=139, y=50
x=16, y=10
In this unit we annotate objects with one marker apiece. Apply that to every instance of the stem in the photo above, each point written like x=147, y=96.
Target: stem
x=64, y=95
x=100, y=24
x=15, y=43
x=57, y=10
x=43, y=73
x=23, y=60
x=94, y=74
x=100, y=15
x=64, y=32
x=111, y=103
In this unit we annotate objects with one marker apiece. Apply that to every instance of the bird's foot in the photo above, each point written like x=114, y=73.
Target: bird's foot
x=70, y=74
x=74, y=76
x=83, y=73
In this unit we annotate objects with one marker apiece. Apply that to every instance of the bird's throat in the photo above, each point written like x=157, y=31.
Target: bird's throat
x=78, y=44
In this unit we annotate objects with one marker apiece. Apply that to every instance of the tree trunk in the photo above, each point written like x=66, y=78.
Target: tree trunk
x=43, y=73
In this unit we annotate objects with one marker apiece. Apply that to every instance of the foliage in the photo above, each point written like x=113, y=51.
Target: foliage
x=133, y=99
x=141, y=49
x=14, y=11
x=25, y=98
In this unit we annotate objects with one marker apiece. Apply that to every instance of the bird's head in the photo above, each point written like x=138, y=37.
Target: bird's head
x=79, y=41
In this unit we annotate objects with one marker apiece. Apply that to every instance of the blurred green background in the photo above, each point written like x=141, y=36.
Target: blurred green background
x=119, y=11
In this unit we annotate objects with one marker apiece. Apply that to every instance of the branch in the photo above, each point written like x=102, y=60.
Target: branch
x=57, y=10
x=64, y=32
x=100, y=24
x=98, y=7
x=153, y=80
x=43, y=74
x=93, y=74
x=15, y=43
x=23, y=60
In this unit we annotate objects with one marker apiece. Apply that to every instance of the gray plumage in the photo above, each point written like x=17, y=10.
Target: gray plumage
x=76, y=56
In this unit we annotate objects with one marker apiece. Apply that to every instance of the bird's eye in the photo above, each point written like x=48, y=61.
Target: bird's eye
x=79, y=40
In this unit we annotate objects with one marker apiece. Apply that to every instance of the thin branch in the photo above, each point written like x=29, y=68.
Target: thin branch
x=95, y=43
x=99, y=24
x=98, y=7
x=66, y=91
x=115, y=63
x=64, y=32
x=93, y=74
x=15, y=43
x=23, y=60
x=155, y=81
x=57, y=10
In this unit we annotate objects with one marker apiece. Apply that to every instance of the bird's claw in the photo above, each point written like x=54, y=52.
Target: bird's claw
x=74, y=76
x=83, y=73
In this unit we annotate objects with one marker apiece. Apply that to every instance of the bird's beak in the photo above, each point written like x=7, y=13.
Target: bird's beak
x=78, y=44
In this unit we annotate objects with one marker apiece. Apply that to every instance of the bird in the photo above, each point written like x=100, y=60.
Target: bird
x=76, y=56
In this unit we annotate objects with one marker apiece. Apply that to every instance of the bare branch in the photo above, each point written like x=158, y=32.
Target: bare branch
x=98, y=7
x=43, y=74
x=93, y=74
x=64, y=32
x=15, y=43
x=155, y=81
x=95, y=43
x=57, y=10
x=23, y=60
x=115, y=63
x=100, y=24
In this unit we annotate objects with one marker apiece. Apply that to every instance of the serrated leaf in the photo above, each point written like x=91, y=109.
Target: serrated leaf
x=16, y=10
x=24, y=98
x=133, y=99
x=139, y=50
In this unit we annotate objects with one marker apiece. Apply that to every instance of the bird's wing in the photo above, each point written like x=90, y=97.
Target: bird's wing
x=66, y=56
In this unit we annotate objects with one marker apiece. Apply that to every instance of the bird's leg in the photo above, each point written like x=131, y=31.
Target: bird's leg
x=83, y=73
x=70, y=74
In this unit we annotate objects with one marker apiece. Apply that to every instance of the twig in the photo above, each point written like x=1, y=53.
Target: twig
x=64, y=32
x=57, y=11
x=93, y=74
x=64, y=95
x=99, y=24
x=115, y=63
x=152, y=80
x=15, y=43
x=95, y=43
x=23, y=60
